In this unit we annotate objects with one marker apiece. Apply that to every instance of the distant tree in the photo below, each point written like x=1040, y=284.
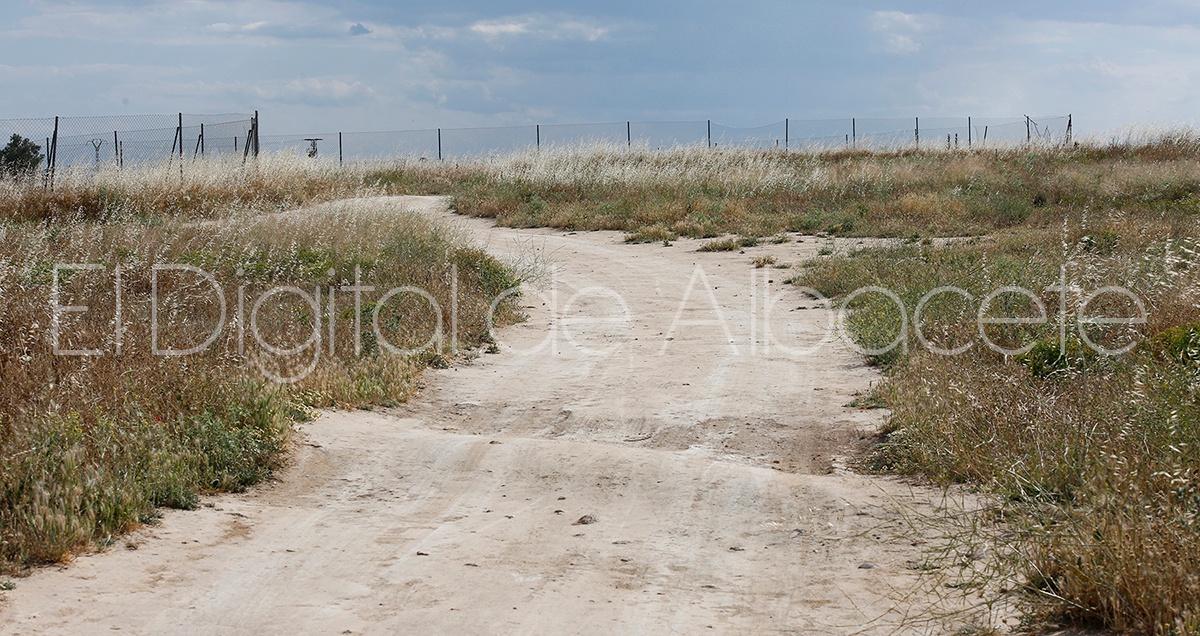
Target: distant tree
x=20, y=158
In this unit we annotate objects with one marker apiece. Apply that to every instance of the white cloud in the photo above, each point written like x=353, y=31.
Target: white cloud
x=272, y=22
x=305, y=91
x=902, y=31
x=1107, y=75
x=492, y=29
x=164, y=22
x=538, y=26
x=456, y=64
x=90, y=70
x=313, y=90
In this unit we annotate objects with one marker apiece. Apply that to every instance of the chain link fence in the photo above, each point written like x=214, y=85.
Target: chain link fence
x=66, y=142
x=789, y=134
x=134, y=139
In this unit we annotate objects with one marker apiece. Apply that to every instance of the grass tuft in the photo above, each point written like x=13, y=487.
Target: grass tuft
x=727, y=244
x=91, y=445
x=1091, y=461
x=1088, y=463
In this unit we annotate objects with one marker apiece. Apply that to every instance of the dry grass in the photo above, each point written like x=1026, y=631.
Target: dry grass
x=1092, y=461
x=91, y=445
x=201, y=189
x=727, y=244
x=702, y=193
x=1089, y=461
x=652, y=234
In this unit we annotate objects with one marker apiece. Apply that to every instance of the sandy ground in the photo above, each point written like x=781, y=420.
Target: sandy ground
x=656, y=450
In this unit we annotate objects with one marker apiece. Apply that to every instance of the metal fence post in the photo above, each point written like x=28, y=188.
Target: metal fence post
x=179, y=133
x=251, y=140
x=199, y=143
x=51, y=157
x=734, y=137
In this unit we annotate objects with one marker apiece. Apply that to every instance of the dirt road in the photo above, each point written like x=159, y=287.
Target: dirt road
x=654, y=451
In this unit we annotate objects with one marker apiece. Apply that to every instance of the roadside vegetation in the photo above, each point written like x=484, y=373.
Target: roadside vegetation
x=91, y=445
x=1092, y=460
x=700, y=193
x=213, y=188
x=1089, y=463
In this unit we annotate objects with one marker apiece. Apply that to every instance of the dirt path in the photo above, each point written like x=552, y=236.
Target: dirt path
x=702, y=449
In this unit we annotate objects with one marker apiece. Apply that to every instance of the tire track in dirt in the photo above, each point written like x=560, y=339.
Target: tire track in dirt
x=705, y=452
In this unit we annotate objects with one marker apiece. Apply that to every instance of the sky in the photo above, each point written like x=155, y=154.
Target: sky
x=369, y=65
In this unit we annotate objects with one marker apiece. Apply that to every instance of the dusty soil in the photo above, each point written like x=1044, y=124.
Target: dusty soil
x=656, y=449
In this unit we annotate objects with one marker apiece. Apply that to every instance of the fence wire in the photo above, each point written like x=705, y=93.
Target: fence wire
x=790, y=134
x=133, y=139
x=66, y=142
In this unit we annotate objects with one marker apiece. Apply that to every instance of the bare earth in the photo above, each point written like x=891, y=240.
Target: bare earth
x=639, y=458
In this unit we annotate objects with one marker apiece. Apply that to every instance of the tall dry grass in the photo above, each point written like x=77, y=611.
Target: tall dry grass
x=1091, y=461
x=208, y=188
x=699, y=192
x=1088, y=461
x=90, y=445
